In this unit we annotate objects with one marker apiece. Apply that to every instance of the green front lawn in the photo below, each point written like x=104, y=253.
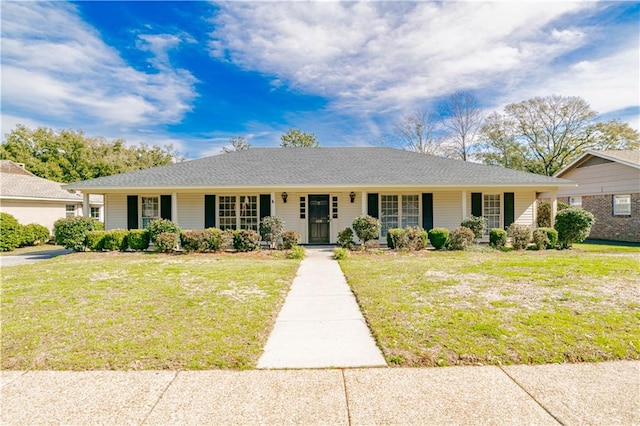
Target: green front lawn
x=127, y=311
x=457, y=308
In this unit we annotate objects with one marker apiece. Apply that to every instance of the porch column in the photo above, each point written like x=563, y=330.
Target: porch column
x=554, y=207
x=174, y=207
x=273, y=204
x=464, y=205
x=363, y=202
x=86, y=207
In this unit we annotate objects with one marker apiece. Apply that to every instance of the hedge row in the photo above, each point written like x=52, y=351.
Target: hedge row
x=14, y=235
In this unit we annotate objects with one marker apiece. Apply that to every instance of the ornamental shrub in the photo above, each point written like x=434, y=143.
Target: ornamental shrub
x=271, y=229
x=95, y=240
x=34, y=234
x=345, y=238
x=438, y=237
x=214, y=238
x=520, y=235
x=71, y=232
x=573, y=226
x=544, y=213
x=397, y=239
x=296, y=252
x=10, y=232
x=340, y=253
x=290, y=239
x=416, y=238
x=461, y=238
x=197, y=241
x=477, y=224
x=545, y=238
x=246, y=240
x=159, y=226
x=166, y=242
x=366, y=228
x=115, y=239
x=497, y=238
x=138, y=239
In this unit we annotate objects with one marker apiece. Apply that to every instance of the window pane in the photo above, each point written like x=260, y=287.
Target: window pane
x=622, y=204
x=491, y=211
x=410, y=211
x=150, y=210
x=575, y=201
x=249, y=212
x=70, y=210
x=227, y=212
x=95, y=212
x=389, y=213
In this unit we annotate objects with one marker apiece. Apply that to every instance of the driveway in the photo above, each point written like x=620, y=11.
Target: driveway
x=23, y=259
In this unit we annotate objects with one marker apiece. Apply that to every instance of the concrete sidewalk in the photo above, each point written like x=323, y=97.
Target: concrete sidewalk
x=569, y=394
x=320, y=324
x=24, y=259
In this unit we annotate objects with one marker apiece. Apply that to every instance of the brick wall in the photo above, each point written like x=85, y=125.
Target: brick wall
x=608, y=226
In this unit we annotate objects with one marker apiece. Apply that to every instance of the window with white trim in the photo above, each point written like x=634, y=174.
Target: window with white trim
x=70, y=210
x=150, y=210
x=622, y=205
x=575, y=202
x=388, y=213
x=95, y=212
x=410, y=211
x=249, y=212
x=227, y=212
x=491, y=211
x=238, y=212
x=399, y=211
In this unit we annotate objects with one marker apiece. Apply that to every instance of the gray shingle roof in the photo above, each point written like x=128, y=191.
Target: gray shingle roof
x=626, y=156
x=18, y=182
x=284, y=167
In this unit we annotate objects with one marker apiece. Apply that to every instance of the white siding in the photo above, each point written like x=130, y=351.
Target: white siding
x=191, y=211
x=609, y=178
x=115, y=211
x=447, y=209
x=347, y=211
x=524, y=208
x=290, y=212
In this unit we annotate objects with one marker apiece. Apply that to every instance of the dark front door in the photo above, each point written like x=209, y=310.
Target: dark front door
x=318, y=219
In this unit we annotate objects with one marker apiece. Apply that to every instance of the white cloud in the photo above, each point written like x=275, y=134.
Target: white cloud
x=57, y=69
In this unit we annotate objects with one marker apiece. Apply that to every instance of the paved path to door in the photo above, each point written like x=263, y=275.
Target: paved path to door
x=320, y=324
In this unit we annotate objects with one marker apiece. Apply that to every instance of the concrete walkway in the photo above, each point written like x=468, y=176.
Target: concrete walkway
x=568, y=394
x=320, y=324
x=24, y=259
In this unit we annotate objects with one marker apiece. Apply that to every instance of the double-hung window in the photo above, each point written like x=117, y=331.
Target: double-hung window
x=150, y=210
x=491, y=210
x=389, y=213
x=95, y=212
x=399, y=211
x=70, y=210
x=622, y=205
x=227, y=212
x=575, y=202
x=238, y=212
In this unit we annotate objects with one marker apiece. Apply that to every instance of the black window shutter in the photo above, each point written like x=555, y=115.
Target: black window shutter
x=265, y=205
x=509, y=209
x=209, y=211
x=427, y=211
x=372, y=205
x=476, y=204
x=132, y=212
x=165, y=207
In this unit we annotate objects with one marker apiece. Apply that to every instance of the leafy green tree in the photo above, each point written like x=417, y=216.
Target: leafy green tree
x=238, y=143
x=614, y=134
x=297, y=138
x=70, y=155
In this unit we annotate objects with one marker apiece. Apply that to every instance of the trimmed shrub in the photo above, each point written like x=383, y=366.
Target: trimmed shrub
x=345, y=238
x=138, y=239
x=214, y=238
x=416, y=238
x=477, y=224
x=497, y=238
x=296, y=252
x=34, y=234
x=197, y=241
x=166, y=242
x=544, y=213
x=573, y=226
x=271, y=229
x=159, y=226
x=439, y=237
x=290, y=239
x=115, y=239
x=71, y=232
x=10, y=232
x=366, y=228
x=95, y=240
x=461, y=238
x=545, y=238
x=340, y=253
x=397, y=239
x=246, y=240
x=520, y=235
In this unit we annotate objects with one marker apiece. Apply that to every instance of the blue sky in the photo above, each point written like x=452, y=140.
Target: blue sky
x=194, y=74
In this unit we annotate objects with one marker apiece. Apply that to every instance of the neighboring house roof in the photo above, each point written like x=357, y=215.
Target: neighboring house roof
x=315, y=167
x=18, y=183
x=629, y=158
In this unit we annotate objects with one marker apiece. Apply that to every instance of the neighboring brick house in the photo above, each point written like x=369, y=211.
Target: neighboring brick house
x=608, y=187
x=32, y=199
